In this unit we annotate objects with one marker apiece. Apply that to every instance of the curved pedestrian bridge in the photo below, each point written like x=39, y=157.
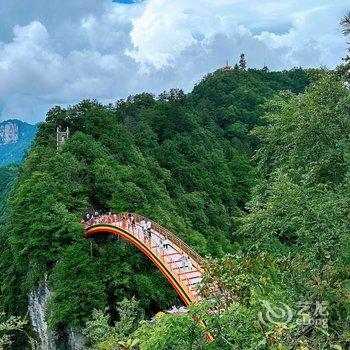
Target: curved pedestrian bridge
x=177, y=261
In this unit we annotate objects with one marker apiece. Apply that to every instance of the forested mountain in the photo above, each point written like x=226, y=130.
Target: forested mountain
x=15, y=138
x=248, y=169
x=7, y=176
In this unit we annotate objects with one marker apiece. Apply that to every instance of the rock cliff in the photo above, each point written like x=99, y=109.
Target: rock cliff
x=15, y=138
x=8, y=132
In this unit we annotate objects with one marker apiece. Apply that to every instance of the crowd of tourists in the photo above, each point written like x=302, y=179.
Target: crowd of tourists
x=128, y=222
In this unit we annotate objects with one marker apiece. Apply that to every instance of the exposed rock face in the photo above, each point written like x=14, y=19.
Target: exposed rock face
x=15, y=138
x=8, y=132
x=38, y=301
x=76, y=340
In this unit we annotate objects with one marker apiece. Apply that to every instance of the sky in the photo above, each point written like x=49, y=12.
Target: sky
x=60, y=52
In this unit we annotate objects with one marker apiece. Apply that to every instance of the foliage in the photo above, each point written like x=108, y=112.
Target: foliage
x=300, y=209
x=8, y=327
x=292, y=245
x=170, y=333
x=345, y=68
x=7, y=176
x=242, y=62
x=102, y=336
x=345, y=23
x=182, y=160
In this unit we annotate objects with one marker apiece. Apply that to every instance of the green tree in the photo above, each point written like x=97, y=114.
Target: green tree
x=11, y=325
x=299, y=212
x=77, y=288
x=242, y=62
x=345, y=22
x=102, y=336
x=182, y=160
x=7, y=176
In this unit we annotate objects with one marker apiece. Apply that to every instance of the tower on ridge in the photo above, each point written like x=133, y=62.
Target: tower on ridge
x=227, y=67
x=62, y=137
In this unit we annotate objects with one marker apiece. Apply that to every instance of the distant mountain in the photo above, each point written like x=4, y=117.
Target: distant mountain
x=15, y=138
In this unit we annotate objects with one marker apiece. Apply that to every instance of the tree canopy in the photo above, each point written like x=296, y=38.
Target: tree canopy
x=248, y=168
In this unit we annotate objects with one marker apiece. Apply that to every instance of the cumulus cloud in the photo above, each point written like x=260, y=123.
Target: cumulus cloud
x=61, y=52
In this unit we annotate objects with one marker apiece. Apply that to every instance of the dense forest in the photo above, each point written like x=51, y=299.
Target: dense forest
x=7, y=176
x=251, y=169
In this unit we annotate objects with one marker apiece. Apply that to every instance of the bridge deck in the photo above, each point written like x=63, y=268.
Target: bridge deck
x=185, y=277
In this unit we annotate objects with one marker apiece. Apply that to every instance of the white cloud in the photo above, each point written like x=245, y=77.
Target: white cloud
x=164, y=30
x=62, y=52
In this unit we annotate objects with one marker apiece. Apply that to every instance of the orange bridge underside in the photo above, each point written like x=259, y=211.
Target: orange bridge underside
x=169, y=275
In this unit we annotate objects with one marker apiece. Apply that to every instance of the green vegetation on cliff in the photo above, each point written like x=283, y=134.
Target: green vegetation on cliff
x=7, y=176
x=294, y=240
x=186, y=162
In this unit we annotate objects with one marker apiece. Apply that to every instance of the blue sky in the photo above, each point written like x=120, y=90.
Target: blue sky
x=60, y=52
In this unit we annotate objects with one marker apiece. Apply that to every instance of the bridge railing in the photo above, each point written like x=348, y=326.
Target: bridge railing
x=184, y=247
x=120, y=219
x=171, y=237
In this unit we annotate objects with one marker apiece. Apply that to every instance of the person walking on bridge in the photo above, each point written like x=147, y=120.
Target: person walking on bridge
x=166, y=243
x=133, y=223
x=143, y=227
x=189, y=263
x=124, y=222
x=183, y=261
x=129, y=222
x=149, y=229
